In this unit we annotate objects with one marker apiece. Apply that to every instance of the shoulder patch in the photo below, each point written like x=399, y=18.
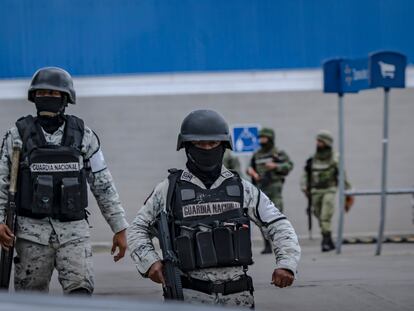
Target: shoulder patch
x=97, y=162
x=186, y=176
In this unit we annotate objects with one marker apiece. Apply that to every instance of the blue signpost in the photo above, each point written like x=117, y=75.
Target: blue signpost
x=384, y=69
x=387, y=70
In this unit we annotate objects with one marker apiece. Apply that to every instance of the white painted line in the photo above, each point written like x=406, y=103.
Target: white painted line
x=188, y=83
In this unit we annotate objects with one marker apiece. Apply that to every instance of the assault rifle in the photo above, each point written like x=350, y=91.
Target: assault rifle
x=308, y=170
x=266, y=178
x=7, y=255
x=172, y=288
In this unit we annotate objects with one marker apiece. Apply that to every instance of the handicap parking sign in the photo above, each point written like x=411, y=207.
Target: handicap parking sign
x=246, y=138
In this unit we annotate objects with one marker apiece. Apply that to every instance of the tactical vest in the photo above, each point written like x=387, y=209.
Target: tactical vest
x=211, y=228
x=52, y=178
x=267, y=177
x=324, y=174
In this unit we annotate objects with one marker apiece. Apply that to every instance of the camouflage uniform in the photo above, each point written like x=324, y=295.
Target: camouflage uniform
x=45, y=244
x=324, y=183
x=260, y=210
x=271, y=182
x=231, y=162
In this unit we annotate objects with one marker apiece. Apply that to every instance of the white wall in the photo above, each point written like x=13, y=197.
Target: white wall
x=138, y=135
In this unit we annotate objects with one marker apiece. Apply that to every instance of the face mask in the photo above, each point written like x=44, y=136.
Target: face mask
x=49, y=104
x=323, y=149
x=323, y=153
x=206, y=160
x=267, y=145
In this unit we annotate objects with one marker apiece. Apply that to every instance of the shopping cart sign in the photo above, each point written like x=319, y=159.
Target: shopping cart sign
x=387, y=69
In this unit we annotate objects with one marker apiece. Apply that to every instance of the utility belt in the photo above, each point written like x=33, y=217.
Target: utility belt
x=324, y=185
x=214, y=242
x=245, y=283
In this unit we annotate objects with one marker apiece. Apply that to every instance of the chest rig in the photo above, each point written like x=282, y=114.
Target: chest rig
x=324, y=174
x=261, y=158
x=211, y=228
x=52, y=181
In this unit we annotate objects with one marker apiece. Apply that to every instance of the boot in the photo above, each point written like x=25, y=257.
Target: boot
x=327, y=244
x=330, y=242
x=267, y=248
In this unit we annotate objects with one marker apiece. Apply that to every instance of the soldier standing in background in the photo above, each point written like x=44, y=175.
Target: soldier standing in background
x=323, y=169
x=59, y=156
x=268, y=168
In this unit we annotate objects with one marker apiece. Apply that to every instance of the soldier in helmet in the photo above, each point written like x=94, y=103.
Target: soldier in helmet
x=59, y=156
x=211, y=209
x=268, y=168
x=322, y=169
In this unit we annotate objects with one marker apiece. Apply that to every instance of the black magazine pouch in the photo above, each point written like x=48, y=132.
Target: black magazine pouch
x=205, y=251
x=24, y=198
x=43, y=195
x=242, y=243
x=71, y=204
x=185, y=249
x=223, y=242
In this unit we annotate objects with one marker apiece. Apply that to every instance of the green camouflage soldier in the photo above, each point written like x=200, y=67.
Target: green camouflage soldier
x=324, y=170
x=231, y=162
x=268, y=169
x=60, y=155
x=210, y=210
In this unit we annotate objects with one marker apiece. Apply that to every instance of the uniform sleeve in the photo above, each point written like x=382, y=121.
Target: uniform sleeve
x=304, y=181
x=275, y=227
x=141, y=231
x=285, y=165
x=5, y=155
x=102, y=184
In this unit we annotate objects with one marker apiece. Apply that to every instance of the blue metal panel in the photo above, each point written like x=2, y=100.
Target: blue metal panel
x=332, y=76
x=354, y=75
x=387, y=69
x=95, y=37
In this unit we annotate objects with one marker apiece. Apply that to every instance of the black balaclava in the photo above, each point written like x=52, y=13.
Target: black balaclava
x=267, y=146
x=323, y=153
x=205, y=164
x=55, y=105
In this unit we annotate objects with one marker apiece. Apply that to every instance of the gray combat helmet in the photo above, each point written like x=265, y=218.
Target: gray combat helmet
x=204, y=125
x=55, y=79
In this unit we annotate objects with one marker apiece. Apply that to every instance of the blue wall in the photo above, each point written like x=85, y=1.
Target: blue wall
x=95, y=37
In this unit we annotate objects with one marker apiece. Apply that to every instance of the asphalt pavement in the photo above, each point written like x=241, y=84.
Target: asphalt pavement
x=354, y=280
